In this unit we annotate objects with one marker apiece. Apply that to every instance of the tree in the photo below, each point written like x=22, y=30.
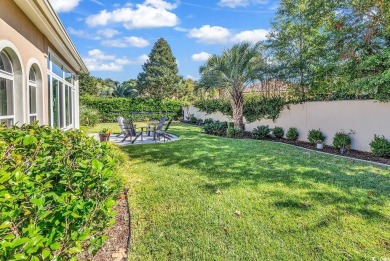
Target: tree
x=160, y=72
x=126, y=89
x=88, y=85
x=232, y=71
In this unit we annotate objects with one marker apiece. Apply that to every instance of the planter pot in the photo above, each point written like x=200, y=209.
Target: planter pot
x=320, y=146
x=104, y=137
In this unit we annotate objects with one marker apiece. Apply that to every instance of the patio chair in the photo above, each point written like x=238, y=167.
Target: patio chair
x=130, y=131
x=163, y=133
x=120, y=123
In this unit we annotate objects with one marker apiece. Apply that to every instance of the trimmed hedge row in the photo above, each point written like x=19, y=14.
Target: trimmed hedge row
x=57, y=190
x=111, y=108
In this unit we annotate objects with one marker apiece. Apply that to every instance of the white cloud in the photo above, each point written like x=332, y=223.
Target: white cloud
x=189, y=76
x=150, y=14
x=240, y=3
x=109, y=33
x=210, y=34
x=160, y=4
x=83, y=34
x=251, y=36
x=233, y=3
x=61, y=6
x=97, y=60
x=200, y=57
x=97, y=2
x=180, y=29
x=126, y=42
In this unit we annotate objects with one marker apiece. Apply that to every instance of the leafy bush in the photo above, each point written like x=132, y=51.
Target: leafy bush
x=233, y=132
x=111, y=108
x=316, y=136
x=57, y=190
x=193, y=119
x=88, y=116
x=261, y=132
x=209, y=120
x=278, y=132
x=216, y=128
x=292, y=134
x=341, y=139
x=380, y=146
x=256, y=107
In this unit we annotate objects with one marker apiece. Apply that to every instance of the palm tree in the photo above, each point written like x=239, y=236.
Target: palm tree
x=232, y=71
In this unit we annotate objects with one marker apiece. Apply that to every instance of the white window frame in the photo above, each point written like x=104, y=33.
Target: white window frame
x=34, y=85
x=61, y=97
x=11, y=77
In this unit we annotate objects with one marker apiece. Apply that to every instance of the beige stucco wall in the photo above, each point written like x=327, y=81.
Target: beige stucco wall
x=32, y=46
x=17, y=32
x=365, y=118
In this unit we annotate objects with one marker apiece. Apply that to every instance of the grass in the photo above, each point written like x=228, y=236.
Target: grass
x=294, y=204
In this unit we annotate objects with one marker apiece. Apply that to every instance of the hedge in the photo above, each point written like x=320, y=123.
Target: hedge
x=57, y=190
x=111, y=108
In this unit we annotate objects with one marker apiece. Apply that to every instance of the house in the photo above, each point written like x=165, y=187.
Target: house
x=39, y=65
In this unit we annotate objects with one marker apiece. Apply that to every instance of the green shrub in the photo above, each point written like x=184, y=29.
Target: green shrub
x=209, y=120
x=216, y=128
x=261, y=132
x=57, y=190
x=256, y=107
x=278, y=132
x=380, y=146
x=193, y=119
x=316, y=136
x=341, y=139
x=88, y=116
x=292, y=134
x=111, y=108
x=233, y=132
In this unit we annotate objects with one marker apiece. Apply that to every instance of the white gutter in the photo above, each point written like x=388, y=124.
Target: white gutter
x=42, y=14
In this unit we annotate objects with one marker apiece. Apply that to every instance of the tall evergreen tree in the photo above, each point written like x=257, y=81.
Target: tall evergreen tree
x=160, y=74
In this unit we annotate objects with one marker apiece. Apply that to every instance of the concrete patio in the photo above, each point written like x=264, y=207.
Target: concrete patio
x=145, y=139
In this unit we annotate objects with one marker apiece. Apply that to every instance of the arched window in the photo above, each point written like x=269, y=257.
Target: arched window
x=32, y=90
x=6, y=90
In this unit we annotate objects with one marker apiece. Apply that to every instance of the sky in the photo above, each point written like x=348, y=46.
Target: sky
x=115, y=37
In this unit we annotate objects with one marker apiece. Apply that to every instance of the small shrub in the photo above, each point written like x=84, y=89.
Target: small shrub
x=261, y=132
x=192, y=119
x=88, y=116
x=216, y=128
x=292, y=134
x=233, y=132
x=199, y=122
x=57, y=192
x=208, y=121
x=380, y=146
x=341, y=139
x=278, y=132
x=316, y=136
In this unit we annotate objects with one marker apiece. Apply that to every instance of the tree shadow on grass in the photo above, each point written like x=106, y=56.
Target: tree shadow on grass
x=228, y=163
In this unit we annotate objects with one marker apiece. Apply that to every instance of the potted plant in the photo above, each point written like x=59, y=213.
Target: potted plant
x=342, y=141
x=316, y=137
x=104, y=134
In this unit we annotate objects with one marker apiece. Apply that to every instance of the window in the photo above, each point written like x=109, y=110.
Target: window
x=32, y=91
x=6, y=90
x=61, y=92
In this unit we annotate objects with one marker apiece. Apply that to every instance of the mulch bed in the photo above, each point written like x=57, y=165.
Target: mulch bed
x=356, y=154
x=116, y=246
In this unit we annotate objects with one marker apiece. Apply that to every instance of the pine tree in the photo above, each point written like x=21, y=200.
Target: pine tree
x=160, y=73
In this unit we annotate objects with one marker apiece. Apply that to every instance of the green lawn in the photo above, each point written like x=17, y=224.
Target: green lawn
x=294, y=204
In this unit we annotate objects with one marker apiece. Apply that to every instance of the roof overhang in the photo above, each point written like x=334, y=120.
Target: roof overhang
x=42, y=14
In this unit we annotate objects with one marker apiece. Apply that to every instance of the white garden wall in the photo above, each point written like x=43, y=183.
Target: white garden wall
x=365, y=118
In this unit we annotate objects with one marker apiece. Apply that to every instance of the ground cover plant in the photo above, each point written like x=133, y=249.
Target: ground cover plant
x=210, y=198
x=57, y=190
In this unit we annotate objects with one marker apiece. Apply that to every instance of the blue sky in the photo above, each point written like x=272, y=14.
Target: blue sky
x=115, y=37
